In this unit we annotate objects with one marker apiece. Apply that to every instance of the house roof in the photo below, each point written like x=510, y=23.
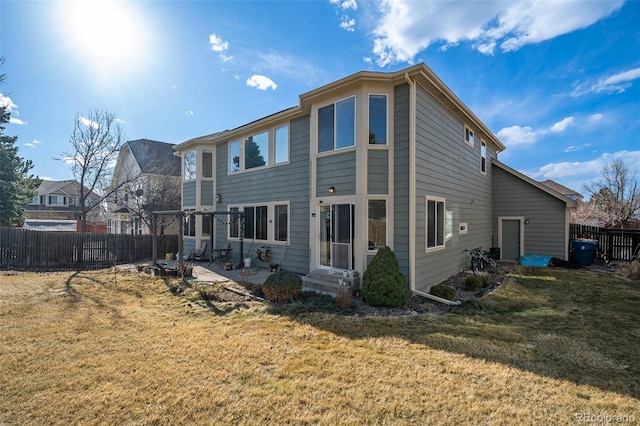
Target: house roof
x=420, y=72
x=69, y=187
x=569, y=202
x=560, y=188
x=155, y=157
x=50, y=225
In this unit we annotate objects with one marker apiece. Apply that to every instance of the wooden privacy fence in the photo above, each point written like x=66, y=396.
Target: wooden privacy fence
x=613, y=244
x=37, y=249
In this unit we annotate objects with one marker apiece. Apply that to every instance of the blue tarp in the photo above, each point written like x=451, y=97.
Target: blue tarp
x=535, y=260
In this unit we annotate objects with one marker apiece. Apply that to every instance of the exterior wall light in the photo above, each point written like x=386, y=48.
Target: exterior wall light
x=332, y=189
x=218, y=198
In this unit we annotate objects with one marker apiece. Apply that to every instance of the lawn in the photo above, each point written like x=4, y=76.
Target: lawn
x=549, y=346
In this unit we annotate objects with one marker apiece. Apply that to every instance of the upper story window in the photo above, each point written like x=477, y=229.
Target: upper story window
x=468, y=136
x=281, y=136
x=336, y=125
x=483, y=157
x=189, y=165
x=259, y=150
x=378, y=119
x=57, y=200
x=38, y=199
x=207, y=164
x=256, y=150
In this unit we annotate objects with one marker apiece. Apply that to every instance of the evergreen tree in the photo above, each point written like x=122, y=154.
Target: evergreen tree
x=17, y=187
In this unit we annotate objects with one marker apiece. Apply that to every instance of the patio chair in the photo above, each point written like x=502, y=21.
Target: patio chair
x=222, y=254
x=199, y=254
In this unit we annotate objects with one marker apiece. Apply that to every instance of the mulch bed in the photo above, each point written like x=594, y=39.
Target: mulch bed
x=245, y=293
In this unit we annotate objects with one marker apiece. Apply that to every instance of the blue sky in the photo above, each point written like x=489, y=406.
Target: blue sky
x=557, y=81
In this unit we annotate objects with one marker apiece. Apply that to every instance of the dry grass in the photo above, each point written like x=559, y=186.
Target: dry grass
x=99, y=348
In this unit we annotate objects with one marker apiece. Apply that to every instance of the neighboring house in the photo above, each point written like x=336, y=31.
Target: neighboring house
x=370, y=160
x=561, y=189
x=57, y=203
x=146, y=178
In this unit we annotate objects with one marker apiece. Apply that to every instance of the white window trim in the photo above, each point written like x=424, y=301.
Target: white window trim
x=271, y=150
x=428, y=249
x=385, y=145
x=386, y=207
x=464, y=136
x=270, y=222
x=483, y=144
x=195, y=172
x=355, y=127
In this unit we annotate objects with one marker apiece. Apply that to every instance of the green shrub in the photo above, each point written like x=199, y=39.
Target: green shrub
x=473, y=283
x=382, y=283
x=282, y=286
x=443, y=291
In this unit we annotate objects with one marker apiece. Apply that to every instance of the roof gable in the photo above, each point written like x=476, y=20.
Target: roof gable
x=155, y=157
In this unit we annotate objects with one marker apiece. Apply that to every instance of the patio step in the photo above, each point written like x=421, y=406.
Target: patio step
x=326, y=281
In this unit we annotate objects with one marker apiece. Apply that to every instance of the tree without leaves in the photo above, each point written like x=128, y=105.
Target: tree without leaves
x=96, y=141
x=616, y=196
x=17, y=187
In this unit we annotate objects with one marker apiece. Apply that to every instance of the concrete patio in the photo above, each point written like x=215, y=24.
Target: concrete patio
x=214, y=272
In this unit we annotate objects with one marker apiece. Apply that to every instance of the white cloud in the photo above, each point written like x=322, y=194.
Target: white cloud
x=88, y=122
x=517, y=135
x=594, y=118
x=225, y=58
x=217, y=44
x=346, y=4
x=30, y=145
x=561, y=126
x=348, y=24
x=189, y=112
x=261, y=82
x=407, y=27
x=587, y=169
x=7, y=103
x=616, y=83
x=13, y=120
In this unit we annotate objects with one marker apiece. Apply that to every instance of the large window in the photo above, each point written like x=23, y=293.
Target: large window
x=259, y=150
x=256, y=150
x=435, y=222
x=377, y=224
x=264, y=222
x=207, y=164
x=189, y=165
x=57, y=200
x=378, y=119
x=336, y=125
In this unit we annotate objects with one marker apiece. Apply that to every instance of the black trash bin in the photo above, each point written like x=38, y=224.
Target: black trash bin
x=584, y=251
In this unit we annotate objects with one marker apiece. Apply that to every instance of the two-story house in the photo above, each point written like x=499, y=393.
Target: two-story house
x=370, y=160
x=56, y=207
x=146, y=178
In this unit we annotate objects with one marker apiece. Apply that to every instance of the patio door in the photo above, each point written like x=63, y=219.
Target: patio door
x=336, y=235
x=511, y=238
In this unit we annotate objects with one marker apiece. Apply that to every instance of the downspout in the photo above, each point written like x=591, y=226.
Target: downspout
x=412, y=197
x=412, y=180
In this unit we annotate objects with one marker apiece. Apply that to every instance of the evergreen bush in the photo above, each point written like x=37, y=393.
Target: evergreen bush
x=382, y=283
x=443, y=291
x=282, y=286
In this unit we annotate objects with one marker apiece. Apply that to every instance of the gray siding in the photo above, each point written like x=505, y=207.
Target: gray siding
x=337, y=170
x=378, y=171
x=287, y=182
x=401, y=176
x=545, y=232
x=189, y=194
x=448, y=167
x=206, y=193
